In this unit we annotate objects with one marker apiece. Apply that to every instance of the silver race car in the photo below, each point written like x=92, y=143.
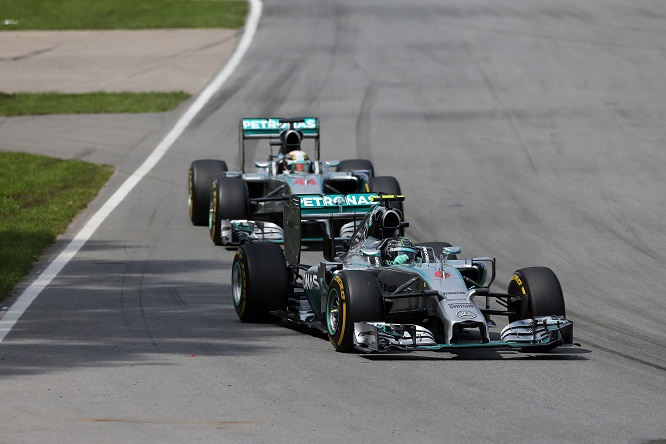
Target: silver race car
x=240, y=205
x=382, y=292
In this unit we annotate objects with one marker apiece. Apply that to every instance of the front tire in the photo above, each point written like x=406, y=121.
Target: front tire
x=200, y=177
x=536, y=291
x=353, y=296
x=229, y=199
x=259, y=281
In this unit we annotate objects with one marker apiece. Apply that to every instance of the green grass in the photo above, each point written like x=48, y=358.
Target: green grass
x=121, y=14
x=39, y=197
x=34, y=104
x=21, y=15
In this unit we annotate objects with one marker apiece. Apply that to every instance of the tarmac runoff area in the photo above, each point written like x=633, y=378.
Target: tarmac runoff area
x=113, y=61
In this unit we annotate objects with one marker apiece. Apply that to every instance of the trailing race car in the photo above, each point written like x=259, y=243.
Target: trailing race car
x=382, y=292
x=239, y=206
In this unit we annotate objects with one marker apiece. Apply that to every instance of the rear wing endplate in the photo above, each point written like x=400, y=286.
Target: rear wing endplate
x=319, y=207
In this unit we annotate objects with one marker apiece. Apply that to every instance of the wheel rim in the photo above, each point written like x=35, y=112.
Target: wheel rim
x=333, y=310
x=211, y=211
x=237, y=284
x=190, y=186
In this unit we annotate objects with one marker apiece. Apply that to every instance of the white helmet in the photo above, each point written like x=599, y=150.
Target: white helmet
x=297, y=162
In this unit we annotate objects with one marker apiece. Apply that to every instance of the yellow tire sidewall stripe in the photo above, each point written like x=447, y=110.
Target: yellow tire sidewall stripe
x=518, y=281
x=343, y=306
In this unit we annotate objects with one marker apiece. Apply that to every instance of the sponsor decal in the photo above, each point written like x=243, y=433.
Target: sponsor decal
x=442, y=275
x=466, y=314
x=460, y=305
x=310, y=282
x=335, y=200
x=388, y=288
x=299, y=182
x=274, y=124
x=519, y=282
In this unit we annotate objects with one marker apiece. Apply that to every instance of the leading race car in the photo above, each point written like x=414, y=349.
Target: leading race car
x=239, y=205
x=382, y=292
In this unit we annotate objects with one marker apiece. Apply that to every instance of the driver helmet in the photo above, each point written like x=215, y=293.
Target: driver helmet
x=297, y=162
x=399, y=251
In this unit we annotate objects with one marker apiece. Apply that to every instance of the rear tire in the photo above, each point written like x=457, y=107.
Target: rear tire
x=259, y=281
x=536, y=291
x=229, y=199
x=353, y=296
x=200, y=178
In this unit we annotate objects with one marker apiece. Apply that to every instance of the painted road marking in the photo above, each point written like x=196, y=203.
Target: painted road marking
x=30, y=294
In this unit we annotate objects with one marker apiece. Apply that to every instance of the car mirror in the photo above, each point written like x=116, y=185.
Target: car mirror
x=448, y=251
x=369, y=252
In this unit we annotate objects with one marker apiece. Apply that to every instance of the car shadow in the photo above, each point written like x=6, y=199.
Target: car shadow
x=574, y=353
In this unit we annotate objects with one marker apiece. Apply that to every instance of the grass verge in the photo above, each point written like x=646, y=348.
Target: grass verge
x=34, y=104
x=121, y=14
x=26, y=15
x=39, y=197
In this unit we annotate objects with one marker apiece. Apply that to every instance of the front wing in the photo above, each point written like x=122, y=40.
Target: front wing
x=236, y=232
x=539, y=332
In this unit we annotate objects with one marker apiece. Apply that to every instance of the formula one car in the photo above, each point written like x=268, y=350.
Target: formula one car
x=382, y=292
x=239, y=206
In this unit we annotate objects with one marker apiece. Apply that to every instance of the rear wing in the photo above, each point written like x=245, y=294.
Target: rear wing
x=320, y=207
x=272, y=127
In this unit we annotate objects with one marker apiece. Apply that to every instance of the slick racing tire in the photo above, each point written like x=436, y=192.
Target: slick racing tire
x=437, y=247
x=229, y=199
x=387, y=185
x=353, y=296
x=536, y=291
x=357, y=164
x=200, y=177
x=259, y=281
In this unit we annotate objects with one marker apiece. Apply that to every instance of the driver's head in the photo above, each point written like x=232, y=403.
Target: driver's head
x=399, y=251
x=297, y=162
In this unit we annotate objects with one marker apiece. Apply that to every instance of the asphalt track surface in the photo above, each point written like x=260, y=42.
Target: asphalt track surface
x=528, y=131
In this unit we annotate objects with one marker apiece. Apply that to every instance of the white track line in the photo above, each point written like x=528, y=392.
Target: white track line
x=30, y=294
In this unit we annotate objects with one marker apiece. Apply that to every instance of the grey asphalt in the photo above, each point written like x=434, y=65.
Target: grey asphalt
x=527, y=131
